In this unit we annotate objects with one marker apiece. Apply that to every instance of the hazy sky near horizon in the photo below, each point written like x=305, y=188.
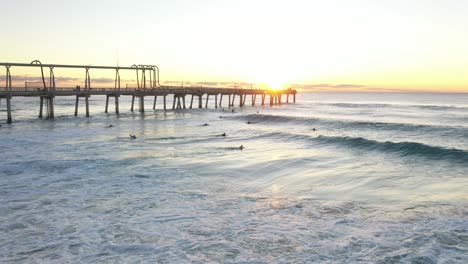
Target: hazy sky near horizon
x=342, y=44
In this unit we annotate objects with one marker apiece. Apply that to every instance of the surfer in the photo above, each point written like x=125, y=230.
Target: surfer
x=110, y=125
x=248, y=122
x=132, y=136
x=223, y=134
x=206, y=124
x=241, y=147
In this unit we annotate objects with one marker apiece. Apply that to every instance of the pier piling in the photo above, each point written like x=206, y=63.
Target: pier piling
x=76, y=105
x=117, y=104
x=116, y=96
x=87, y=105
x=142, y=104
x=133, y=102
x=50, y=112
x=191, y=102
x=41, y=105
x=9, y=119
x=107, y=103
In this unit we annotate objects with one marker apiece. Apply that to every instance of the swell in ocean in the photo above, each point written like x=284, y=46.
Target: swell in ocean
x=402, y=149
x=408, y=147
x=353, y=124
x=413, y=106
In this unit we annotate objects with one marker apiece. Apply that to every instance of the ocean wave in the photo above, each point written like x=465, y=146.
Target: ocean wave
x=356, y=105
x=354, y=124
x=418, y=106
x=400, y=148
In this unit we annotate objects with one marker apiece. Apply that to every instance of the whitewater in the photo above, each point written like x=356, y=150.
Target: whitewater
x=333, y=178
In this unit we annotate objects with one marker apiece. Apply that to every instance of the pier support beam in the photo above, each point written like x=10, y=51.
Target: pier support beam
x=76, y=105
x=216, y=101
x=164, y=99
x=207, y=97
x=233, y=99
x=294, y=98
x=41, y=106
x=220, y=100
x=116, y=103
x=287, y=98
x=200, y=104
x=86, y=104
x=191, y=102
x=9, y=119
x=229, y=101
x=50, y=113
x=174, y=102
x=48, y=101
x=154, y=103
x=183, y=100
x=107, y=103
x=141, y=109
x=263, y=99
x=133, y=102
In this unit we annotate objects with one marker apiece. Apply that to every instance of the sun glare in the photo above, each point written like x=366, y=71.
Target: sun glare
x=275, y=85
x=272, y=83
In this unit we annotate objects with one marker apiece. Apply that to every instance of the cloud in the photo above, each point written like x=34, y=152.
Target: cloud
x=209, y=84
x=329, y=86
x=325, y=87
x=21, y=79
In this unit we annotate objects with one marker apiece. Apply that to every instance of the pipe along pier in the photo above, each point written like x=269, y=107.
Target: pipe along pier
x=147, y=77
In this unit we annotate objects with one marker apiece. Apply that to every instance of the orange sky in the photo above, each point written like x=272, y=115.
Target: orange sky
x=336, y=45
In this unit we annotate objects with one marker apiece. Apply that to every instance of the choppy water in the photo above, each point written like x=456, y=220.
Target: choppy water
x=382, y=179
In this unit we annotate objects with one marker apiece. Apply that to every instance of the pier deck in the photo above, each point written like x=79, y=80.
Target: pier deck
x=147, y=85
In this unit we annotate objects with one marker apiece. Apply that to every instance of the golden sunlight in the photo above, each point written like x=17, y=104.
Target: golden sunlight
x=272, y=78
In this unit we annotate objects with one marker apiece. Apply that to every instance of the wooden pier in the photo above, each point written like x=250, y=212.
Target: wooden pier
x=147, y=77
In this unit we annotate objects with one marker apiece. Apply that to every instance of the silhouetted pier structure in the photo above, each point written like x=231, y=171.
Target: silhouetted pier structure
x=147, y=77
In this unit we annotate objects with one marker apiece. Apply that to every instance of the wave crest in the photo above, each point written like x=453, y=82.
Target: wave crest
x=401, y=148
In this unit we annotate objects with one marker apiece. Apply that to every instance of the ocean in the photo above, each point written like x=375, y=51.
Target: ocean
x=333, y=178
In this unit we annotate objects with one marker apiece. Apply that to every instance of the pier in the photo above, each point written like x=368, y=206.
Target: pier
x=147, y=85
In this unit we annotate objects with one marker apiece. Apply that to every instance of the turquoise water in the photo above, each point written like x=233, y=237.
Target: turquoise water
x=334, y=178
